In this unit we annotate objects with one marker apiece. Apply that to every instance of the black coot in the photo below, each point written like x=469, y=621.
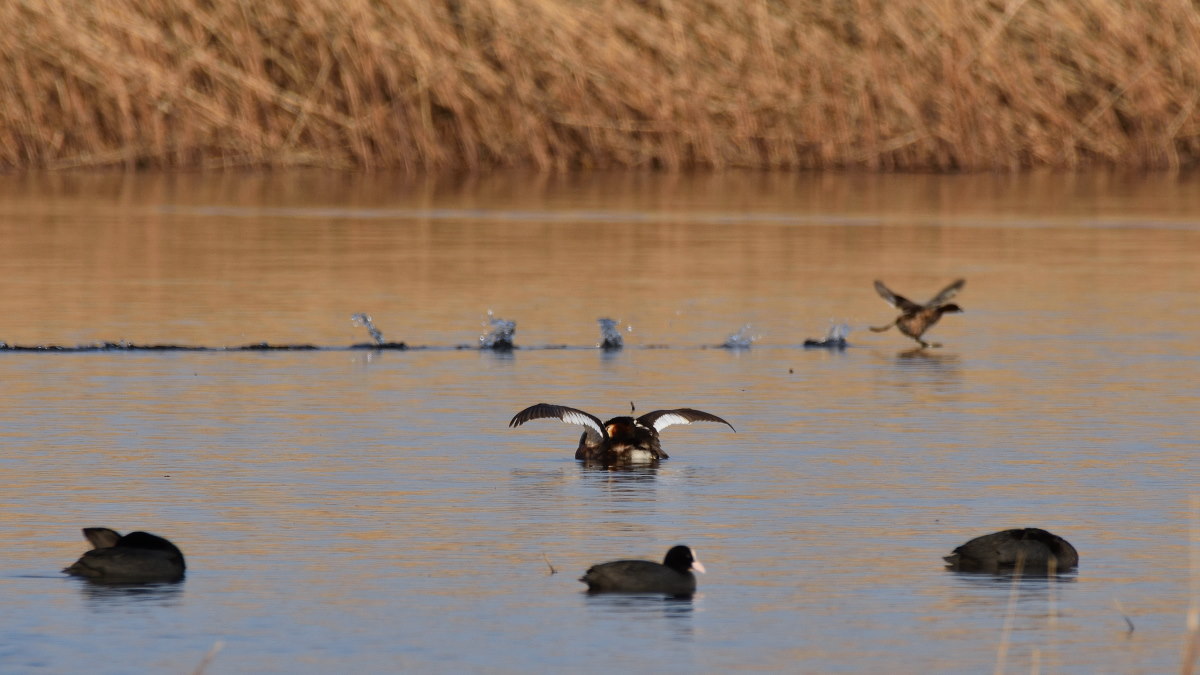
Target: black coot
x=138, y=557
x=673, y=577
x=1037, y=551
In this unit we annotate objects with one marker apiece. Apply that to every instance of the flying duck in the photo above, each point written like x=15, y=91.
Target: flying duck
x=915, y=319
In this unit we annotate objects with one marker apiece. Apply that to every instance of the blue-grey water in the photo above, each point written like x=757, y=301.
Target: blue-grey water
x=371, y=511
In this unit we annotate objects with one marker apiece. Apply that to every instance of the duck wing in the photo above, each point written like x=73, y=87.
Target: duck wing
x=591, y=424
x=101, y=537
x=947, y=293
x=661, y=419
x=898, y=301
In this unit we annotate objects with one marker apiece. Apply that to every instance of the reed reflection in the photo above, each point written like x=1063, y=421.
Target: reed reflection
x=1039, y=584
x=1034, y=600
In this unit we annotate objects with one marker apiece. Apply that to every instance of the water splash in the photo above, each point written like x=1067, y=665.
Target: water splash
x=364, y=319
x=742, y=339
x=499, y=336
x=834, y=339
x=610, y=334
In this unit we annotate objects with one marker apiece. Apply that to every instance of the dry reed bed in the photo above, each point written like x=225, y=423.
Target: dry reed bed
x=478, y=84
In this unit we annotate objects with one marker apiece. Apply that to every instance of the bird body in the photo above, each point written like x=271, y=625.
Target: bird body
x=138, y=557
x=915, y=319
x=673, y=576
x=622, y=439
x=1033, y=550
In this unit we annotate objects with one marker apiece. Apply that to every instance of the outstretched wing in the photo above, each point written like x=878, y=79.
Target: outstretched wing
x=661, y=419
x=898, y=301
x=591, y=424
x=947, y=293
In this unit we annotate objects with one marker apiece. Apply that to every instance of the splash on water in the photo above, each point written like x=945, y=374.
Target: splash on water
x=499, y=335
x=610, y=334
x=834, y=339
x=742, y=339
x=364, y=319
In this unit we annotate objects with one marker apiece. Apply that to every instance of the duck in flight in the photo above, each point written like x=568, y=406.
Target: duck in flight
x=623, y=439
x=915, y=319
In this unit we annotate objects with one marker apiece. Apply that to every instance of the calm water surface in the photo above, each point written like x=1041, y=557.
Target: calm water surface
x=350, y=511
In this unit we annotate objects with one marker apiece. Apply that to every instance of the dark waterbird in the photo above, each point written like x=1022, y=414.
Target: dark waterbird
x=138, y=557
x=915, y=319
x=835, y=338
x=673, y=577
x=621, y=439
x=1032, y=550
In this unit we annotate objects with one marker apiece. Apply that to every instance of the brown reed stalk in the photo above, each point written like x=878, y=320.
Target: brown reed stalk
x=1014, y=591
x=427, y=85
x=1191, y=643
x=208, y=657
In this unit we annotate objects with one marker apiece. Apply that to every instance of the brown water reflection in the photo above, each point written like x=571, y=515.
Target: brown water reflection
x=372, y=512
x=183, y=258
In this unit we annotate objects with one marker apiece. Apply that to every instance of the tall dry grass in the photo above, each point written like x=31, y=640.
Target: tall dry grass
x=476, y=84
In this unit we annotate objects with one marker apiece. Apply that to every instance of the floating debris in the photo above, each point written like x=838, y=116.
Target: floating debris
x=610, y=335
x=499, y=337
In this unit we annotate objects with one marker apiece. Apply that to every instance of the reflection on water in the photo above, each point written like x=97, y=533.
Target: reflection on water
x=500, y=356
x=368, y=510
x=923, y=367
x=618, y=472
x=1035, y=585
x=599, y=487
x=608, y=357
x=106, y=597
x=925, y=360
x=621, y=482
x=669, y=616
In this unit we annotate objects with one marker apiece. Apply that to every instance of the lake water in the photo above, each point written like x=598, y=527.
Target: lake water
x=370, y=511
